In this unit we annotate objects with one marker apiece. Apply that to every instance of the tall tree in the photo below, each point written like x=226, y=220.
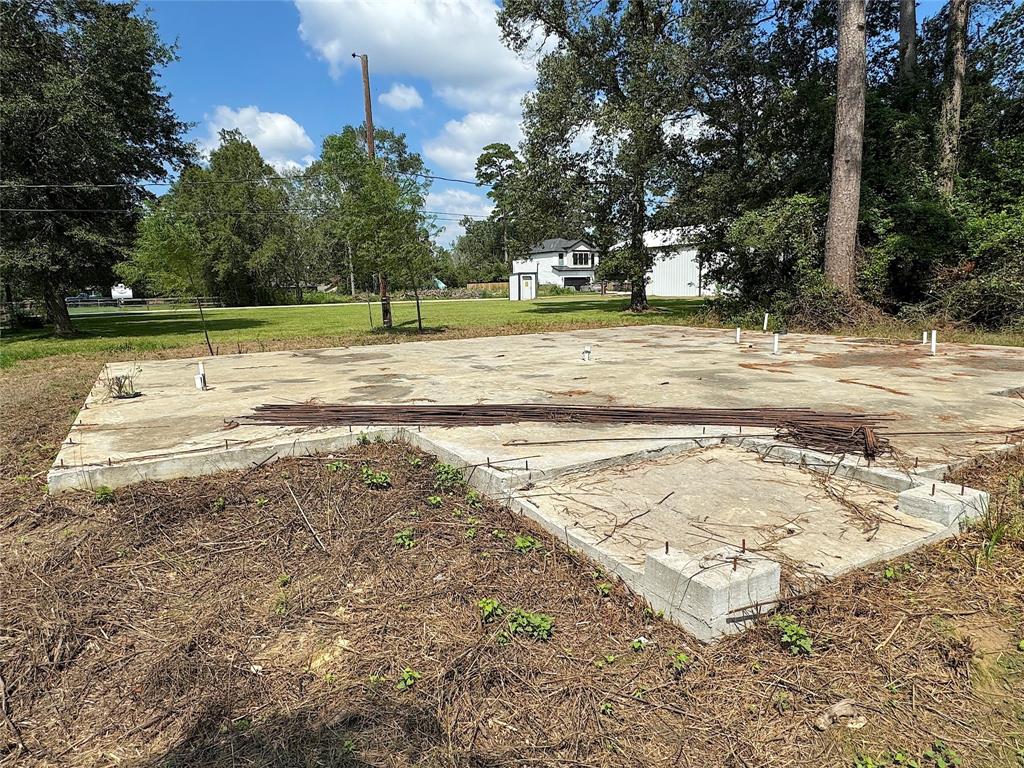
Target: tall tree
x=844, y=197
x=234, y=218
x=907, y=39
x=80, y=105
x=953, y=93
x=614, y=79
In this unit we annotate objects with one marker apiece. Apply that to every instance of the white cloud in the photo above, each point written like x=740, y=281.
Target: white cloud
x=457, y=201
x=282, y=141
x=453, y=44
x=458, y=146
x=402, y=97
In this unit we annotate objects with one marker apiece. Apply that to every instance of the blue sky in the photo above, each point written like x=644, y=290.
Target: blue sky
x=282, y=73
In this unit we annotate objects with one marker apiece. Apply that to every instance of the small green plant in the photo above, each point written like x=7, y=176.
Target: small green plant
x=470, y=533
x=104, y=495
x=606, y=660
x=536, y=626
x=218, y=504
x=782, y=701
x=896, y=572
x=261, y=501
x=499, y=534
x=363, y=439
x=330, y=678
x=524, y=542
x=379, y=438
x=407, y=679
x=415, y=462
x=284, y=580
x=434, y=501
x=604, y=589
x=336, y=466
x=473, y=499
x=638, y=644
x=377, y=680
x=377, y=480
x=490, y=609
x=280, y=606
x=942, y=756
x=639, y=693
x=681, y=662
x=1020, y=646
x=405, y=539
x=447, y=477
x=793, y=637
x=607, y=708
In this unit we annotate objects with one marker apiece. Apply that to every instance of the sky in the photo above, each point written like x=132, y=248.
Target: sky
x=283, y=74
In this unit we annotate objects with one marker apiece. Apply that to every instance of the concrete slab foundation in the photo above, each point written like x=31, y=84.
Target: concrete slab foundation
x=778, y=516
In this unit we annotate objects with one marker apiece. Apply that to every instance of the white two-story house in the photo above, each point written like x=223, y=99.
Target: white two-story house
x=566, y=263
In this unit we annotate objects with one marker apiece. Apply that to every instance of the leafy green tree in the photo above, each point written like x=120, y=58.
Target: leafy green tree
x=617, y=76
x=233, y=220
x=80, y=105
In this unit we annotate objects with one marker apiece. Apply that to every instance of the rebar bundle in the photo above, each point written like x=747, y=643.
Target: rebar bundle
x=834, y=431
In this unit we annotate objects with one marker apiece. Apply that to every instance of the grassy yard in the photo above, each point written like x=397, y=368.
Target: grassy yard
x=255, y=328
x=179, y=333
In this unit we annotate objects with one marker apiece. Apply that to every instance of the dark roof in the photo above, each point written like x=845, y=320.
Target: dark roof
x=556, y=244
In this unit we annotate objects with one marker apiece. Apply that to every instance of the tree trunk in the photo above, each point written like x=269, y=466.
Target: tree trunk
x=908, y=40
x=385, y=301
x=638, y=272
x=956, y=67
x=844, y=199
x=638, y=295
x=57, y=309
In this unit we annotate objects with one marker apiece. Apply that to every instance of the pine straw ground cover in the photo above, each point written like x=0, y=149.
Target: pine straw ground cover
x=312, y=613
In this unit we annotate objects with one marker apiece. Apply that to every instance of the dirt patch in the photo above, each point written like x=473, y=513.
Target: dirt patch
x=897, y=357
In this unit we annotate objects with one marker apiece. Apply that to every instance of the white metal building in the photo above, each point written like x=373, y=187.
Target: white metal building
x=676, y=271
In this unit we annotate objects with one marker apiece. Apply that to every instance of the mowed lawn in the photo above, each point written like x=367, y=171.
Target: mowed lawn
x=252, y=328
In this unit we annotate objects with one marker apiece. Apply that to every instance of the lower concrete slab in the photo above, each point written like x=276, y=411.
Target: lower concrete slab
x=781, y=516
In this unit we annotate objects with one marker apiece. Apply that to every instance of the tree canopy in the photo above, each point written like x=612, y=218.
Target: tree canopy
x=81, y=108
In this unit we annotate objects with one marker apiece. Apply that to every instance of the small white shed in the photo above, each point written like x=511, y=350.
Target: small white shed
x=522, y=286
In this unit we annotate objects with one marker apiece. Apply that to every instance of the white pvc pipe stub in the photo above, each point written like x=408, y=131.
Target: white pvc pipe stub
x=775, y=343
x=737, y=335
x=934, y=340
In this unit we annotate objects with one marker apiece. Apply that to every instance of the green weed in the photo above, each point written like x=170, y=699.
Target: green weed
x=490, y=609
x=447, y=477
x=407, y=679
x=526, y=543
x=434, y=501
x=104, y=495
x=681, y=662
x=405, y=539
x=792, y=636
x=536, y=626
x=473, y=499
x=377, y=480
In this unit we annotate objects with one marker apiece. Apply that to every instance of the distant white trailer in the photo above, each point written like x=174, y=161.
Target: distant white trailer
x=522, y=286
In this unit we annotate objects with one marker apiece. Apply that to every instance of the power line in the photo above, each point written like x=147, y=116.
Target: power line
x=188, y=182
x=243, y=212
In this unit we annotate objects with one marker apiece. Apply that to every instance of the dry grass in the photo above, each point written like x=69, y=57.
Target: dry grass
x=200, y=622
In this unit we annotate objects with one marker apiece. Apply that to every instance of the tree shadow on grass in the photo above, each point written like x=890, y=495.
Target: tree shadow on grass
x=311, y=737
x=122, y=328
x=660, y=307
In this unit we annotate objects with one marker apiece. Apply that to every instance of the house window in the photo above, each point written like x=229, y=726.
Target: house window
x=581, y=259
x=561, y=259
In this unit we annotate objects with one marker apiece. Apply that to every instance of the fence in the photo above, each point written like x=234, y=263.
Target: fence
x=493, y=287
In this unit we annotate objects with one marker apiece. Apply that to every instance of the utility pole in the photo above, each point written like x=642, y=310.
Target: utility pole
x=385, y=298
